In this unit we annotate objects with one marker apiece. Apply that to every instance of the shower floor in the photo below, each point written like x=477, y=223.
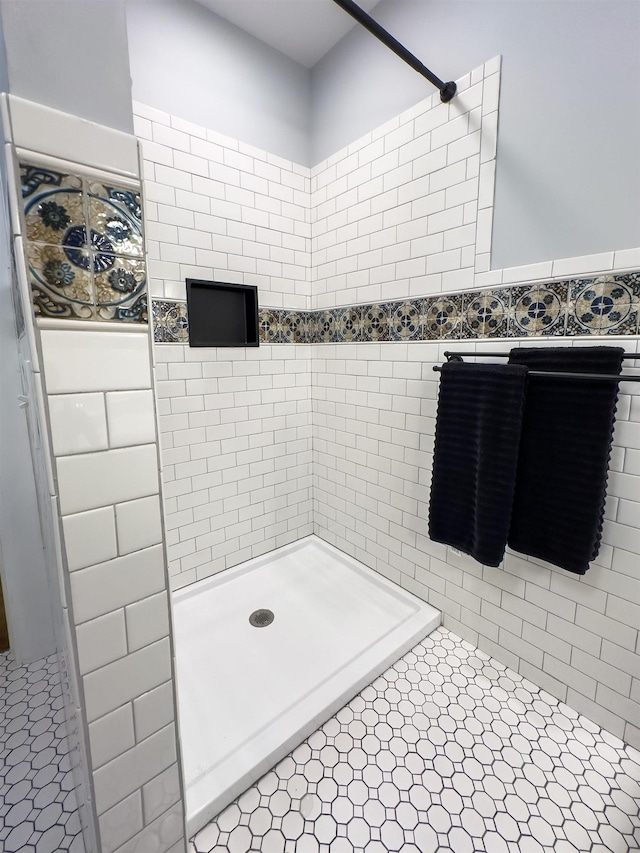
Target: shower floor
x=249, y=695
x=447, y=752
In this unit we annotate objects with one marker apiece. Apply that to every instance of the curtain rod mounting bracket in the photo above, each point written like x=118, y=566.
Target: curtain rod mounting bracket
x=448, y=91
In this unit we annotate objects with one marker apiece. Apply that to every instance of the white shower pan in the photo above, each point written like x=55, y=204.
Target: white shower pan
x=248, y=695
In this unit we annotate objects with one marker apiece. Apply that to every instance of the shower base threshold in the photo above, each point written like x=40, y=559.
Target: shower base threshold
x=248, y=692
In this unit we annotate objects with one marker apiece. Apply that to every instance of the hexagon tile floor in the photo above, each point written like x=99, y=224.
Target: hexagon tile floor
x=38, y=808
x=447, y=751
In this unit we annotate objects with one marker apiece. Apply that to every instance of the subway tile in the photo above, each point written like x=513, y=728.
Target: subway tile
x=78, y=423
x=571, y=675
x=121, y=822
x=131, y=418
x=101, y=641
x=117, y=683
x=550, y=601
x=111, y=735
x=78, y=360
x=502, y=618
x=622, y=610
x=89, y=538
x=616, y=703
x=601, y=672
x=583, y=264
x=98, y=590
x=138, y=524
x=147, y=621
x=154, y=710
x=522, y=648
x=574, y=590
x=93, y=480
x=606, y=627
x=524, y=609
x=161, y=836
x=621, y=658
x=546, y=642
x=128, y=772
x=573, y=634
x=161, y=793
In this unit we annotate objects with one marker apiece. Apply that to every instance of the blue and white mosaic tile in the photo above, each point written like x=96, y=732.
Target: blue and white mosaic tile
x=540, y=309
x=84, y=247
x=604, y=305
x=608, y=305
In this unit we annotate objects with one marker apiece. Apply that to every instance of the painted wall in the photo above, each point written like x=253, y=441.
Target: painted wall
x=25, y=578
x=71, y=56
x=22, y=558
x=187, y=61
x=568, y=176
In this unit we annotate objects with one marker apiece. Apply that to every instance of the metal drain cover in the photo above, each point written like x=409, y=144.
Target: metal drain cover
x=261, y=618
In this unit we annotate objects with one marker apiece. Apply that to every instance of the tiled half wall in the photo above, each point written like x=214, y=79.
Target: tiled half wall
x=397, y=267
x=78, y=247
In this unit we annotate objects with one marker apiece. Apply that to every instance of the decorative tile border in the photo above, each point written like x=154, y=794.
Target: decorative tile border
x=603, y=305
x=84, y=245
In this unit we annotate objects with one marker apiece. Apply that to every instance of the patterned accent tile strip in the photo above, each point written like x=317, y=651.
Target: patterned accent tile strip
x=607, y=305
x=84, y=247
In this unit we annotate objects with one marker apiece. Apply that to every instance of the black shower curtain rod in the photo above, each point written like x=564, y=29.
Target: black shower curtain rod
x=447, y=90
x=563, y=375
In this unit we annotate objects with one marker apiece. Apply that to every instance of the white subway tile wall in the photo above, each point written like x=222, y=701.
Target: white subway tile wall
x=104, y=441
x=405, y=211
x=374, y=409
x=219, y=209
x=236, y=453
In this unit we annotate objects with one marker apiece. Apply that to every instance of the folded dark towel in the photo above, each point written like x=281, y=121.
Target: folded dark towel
x=475, y=457
x=558, y=506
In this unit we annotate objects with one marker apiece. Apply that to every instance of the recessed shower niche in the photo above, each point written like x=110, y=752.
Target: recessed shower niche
x=222, y=314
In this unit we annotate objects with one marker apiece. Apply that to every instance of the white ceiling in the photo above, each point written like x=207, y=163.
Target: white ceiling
x=303, y=29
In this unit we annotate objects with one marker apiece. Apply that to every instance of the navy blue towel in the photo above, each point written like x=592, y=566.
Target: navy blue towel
x=475, y=458
x=567, y=429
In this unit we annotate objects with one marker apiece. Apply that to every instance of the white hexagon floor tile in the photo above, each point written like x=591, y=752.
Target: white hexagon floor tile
x=38, y=807
x=447, y=751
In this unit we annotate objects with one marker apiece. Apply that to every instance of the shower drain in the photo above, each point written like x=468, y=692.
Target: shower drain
x=261, y=618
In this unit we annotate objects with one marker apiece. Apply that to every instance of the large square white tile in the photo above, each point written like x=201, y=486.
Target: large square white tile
x=89, y=537
x=78, y=423
x=139, y=524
